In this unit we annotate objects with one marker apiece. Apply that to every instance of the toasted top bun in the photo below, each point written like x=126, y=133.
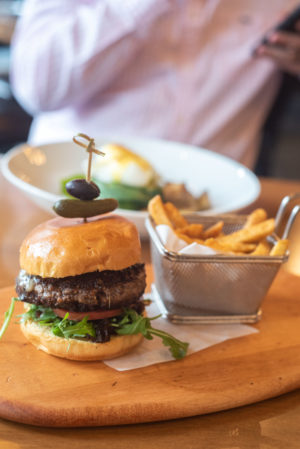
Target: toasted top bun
x=68, y=247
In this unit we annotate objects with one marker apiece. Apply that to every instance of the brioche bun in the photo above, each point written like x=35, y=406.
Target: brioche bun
x=85, y=351
x=69, y=247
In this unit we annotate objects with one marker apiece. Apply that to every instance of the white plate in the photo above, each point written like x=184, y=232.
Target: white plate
x=38, y=172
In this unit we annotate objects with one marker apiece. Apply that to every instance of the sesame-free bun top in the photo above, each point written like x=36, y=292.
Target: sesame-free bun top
x=68, y=247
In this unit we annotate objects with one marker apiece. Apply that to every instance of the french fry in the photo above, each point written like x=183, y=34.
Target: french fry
x=193, y=230
x=280, y=248
x=186, y=238
x=257, y=216
x=252, y=234
x=262, y=249
x=230, y=247
x=157, y=211
x=214, y=230
x=175, y=216
x=250, y=240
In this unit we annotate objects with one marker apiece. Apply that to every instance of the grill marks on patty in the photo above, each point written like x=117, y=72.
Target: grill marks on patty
x=86, y=292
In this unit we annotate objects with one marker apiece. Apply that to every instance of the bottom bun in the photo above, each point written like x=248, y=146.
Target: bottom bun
x=72, y=349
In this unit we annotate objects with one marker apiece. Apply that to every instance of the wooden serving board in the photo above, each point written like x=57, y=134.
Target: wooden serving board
x=42, y=390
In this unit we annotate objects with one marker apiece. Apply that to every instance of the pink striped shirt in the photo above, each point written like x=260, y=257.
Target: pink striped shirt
x=174, y=69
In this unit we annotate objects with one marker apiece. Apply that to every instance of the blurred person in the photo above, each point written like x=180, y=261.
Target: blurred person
x=182, y=70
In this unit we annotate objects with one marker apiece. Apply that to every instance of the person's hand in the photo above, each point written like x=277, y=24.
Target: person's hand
x=284, y=49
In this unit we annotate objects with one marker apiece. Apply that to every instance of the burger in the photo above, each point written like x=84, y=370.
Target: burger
x=82, y=279
x=82, y=285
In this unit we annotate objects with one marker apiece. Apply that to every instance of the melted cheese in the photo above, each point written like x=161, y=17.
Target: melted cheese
x=25, y=281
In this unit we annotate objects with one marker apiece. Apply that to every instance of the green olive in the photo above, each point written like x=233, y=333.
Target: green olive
x=69, y=208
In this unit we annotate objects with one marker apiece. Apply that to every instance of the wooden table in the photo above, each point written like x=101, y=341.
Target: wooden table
x=269, y=424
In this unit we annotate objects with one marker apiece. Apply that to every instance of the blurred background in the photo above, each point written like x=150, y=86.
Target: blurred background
x=14, y=121
x=280, y=148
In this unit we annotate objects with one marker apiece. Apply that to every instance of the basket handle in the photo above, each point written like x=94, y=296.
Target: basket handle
x=290, y=222
x=280, y=213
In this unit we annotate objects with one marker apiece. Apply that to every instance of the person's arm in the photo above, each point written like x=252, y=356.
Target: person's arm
x=284, y=50
x=64, y=51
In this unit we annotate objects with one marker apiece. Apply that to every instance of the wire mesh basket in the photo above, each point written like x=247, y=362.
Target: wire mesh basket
x=220, y=288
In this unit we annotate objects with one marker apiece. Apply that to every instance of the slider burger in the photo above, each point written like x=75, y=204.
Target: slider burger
x=82, y=280
x=78, y=281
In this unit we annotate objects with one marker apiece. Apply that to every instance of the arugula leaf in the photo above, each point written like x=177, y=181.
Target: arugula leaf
x=177, y=348
x=73, y=329
x=41, y=314
x=129, y=323
x=133, y=323
x=7, y=317
x=60, y=327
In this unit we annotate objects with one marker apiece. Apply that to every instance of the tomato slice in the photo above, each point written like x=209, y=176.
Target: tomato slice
x=94, y=315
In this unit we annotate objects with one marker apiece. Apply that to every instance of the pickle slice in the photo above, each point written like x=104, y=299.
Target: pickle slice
x=70, y=208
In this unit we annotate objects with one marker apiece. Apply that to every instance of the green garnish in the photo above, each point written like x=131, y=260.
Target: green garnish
x=128, y=197
x=41, y=314
x=133, y=323
x=7, y=317
x=60, y=327
x=66, y=180
x=130, y=323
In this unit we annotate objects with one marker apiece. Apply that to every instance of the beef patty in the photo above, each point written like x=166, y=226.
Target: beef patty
x=86, y=292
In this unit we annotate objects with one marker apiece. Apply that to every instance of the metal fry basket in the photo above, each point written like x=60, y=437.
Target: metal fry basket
x=217, y=288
